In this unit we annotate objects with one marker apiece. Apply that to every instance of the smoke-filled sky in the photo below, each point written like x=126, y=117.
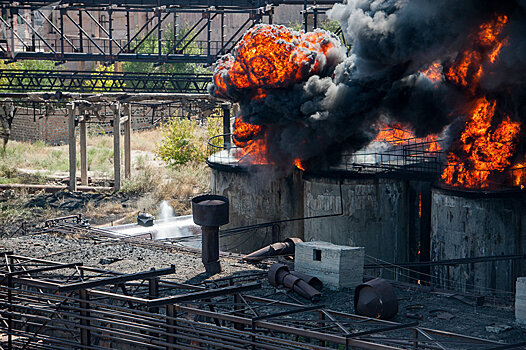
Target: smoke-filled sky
x=392, y=42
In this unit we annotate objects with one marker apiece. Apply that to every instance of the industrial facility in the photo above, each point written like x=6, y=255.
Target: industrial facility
x=365, y=166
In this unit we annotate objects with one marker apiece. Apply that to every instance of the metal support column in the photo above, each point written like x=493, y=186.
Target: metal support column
x=117, y=146
x=72, y=148
x=226, y=107
x=127, y=142
x=85, y=334
x=83, y=152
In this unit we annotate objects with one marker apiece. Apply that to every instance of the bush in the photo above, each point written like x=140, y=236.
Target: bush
x=182, y=142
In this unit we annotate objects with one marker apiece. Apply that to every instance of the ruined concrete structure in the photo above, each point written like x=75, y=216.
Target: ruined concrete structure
x=478, y=224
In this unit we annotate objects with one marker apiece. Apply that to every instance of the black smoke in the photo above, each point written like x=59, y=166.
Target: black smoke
x=392, y=42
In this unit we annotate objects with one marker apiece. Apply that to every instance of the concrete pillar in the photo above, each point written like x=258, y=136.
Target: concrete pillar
x=337, y=266
x=83, y=153
x=520, y=301
x=72, y=148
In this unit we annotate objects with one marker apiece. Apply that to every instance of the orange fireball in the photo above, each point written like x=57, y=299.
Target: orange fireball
x=273, y=56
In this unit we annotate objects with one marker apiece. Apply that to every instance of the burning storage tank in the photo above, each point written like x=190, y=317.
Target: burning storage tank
x=474, y=224
x=385, y=195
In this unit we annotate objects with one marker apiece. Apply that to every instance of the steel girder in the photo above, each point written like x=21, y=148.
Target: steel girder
x=70, y=27
x=74, y=81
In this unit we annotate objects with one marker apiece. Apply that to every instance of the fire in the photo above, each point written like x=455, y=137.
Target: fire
x=251, y=142
x=489, y=140
x=298, y=164
x=483, y=150
x=394, y=133
x=467, y=70
x=434, y=72
x=420, y=207
x=398, y=134
x=272, y=57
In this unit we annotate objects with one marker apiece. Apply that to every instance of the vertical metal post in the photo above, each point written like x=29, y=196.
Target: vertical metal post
x=81, y=44
x=315, y=17
x=10, y=310
x=110, y=30
x=305, y=16
x=62, y=32
x=222, y=32
x=127, y=142
x=83, y=152
x=208, y=37
x=128, y=26
x=227, y=142
x=153, y=292
x=159, y=35
x=237, y=306
x=85, y=334
x=117, y=146
x=33, y=35
x=171, y=337
x=72, y=148
x=12, y=13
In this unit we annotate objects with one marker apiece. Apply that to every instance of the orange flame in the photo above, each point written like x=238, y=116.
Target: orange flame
x=272, y=56
x=398, y=134
x=467, y=70
x=252, y=142
x=487, y=144
x=434, y=72
x=299, y=164
x=484, y=150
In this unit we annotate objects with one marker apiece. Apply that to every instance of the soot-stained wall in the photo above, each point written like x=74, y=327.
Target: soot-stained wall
x=466, y=225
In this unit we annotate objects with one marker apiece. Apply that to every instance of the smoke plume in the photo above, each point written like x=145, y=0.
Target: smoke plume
x=336, y=106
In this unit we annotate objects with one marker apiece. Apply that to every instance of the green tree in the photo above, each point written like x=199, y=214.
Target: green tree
x=100, y=82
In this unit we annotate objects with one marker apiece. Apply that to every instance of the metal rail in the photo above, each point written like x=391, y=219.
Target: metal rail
x=75, y=81
x=70, y=30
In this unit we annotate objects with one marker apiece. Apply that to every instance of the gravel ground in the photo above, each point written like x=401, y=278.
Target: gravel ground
x=129, y=257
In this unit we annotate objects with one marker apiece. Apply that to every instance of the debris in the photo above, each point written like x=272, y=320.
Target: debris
x=414, y=316
x=442, y=314
x=279, y=275
x=287, y=247
x=498, y=328
x=107, y=261
x=414, y=307
x=473, y=300
x=376, y=298
x=145, y=219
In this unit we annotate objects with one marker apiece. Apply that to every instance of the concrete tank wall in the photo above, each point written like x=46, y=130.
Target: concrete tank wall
x=474, y=225
x=259, y=197
x=380, y=214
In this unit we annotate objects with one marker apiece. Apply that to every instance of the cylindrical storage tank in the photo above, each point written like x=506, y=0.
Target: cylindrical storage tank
x=384, y=215
x=257, y=196
x=468, y=224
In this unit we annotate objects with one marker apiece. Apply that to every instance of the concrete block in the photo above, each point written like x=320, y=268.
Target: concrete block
x=337, y=266
x=520, y=301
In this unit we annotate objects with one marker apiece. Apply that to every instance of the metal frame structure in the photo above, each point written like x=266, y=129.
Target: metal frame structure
x=75, y=81
x=413, y=156
x=81, y=46
x=50, y=305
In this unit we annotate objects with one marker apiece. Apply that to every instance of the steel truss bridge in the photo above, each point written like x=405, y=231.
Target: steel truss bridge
x=21, y=37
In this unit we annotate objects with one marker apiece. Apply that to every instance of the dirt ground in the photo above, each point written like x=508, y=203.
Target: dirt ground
x=439, y=311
